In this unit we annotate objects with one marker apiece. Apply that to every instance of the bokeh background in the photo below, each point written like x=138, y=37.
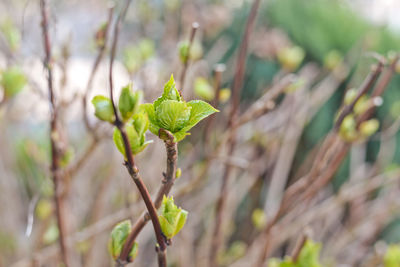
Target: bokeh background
x=321, y=33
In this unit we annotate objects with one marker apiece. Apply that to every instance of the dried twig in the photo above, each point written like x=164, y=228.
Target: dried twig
x=54, y=138
x=217, y=237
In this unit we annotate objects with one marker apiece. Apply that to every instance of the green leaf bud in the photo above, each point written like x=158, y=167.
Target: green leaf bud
x=103, y=108
x=171, y=218
x=118, y=237
x=369, y=127
x=128, y=102
x=291, y=57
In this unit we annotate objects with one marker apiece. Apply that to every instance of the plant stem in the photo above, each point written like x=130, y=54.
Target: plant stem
x=54, y=138
x=217, y=237
x=130, y=163
x=365, y=86
x=167, y=183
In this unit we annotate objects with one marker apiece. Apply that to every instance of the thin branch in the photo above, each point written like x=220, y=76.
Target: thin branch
x=217, y=237
x=54, y=138
x=167, y=183
x=195, y=26
x=130, y=163
x=100, y=55
x=365, y=86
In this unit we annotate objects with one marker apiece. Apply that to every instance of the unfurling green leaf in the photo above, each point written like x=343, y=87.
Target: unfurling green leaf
x=171, y=113
x=103, y=108
x=129, y=102
x=135, y=130
x=118, y=237
x=13, y=80
x=171, y=218
x=200, y=110
x=170, y=93
x=203, y=89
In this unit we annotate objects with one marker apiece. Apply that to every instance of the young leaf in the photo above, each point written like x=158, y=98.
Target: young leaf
x=170, y=93
x=172, y=115
x=181, y=220
x=199, y=111
x=118, y=237
x=148, y=108
x=103, y=108
x=141, y=123
x=172, y=218
x=135, y=130
x=128, y=102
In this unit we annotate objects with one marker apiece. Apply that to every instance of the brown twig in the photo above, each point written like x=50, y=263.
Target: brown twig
x=365, y=86
x=331, y=154
x=167, y=183
x=217, y=237
x=54, y=138
x=130, y=163
x=195, y=26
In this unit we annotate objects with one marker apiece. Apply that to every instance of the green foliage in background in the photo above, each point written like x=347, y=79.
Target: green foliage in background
x=308, y=257
x=320, y=26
